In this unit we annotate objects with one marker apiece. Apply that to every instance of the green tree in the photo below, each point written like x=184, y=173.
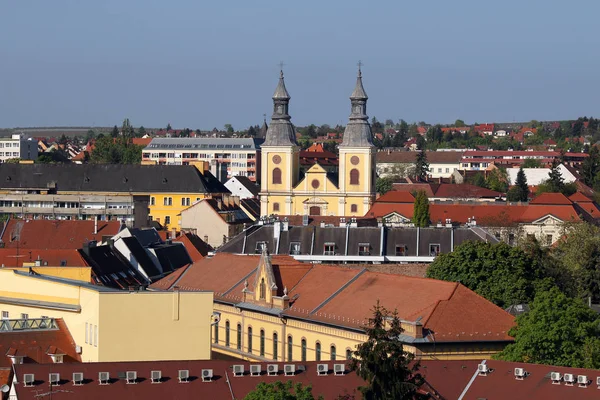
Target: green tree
x=531, y=163
x=115, y=131
x=459, y=123
x=591, y=166
x=557, y=330
x=503, y=274
x=555, y=179
x=141, y=131
x=384, y=185
x=520, y=191
x=388, y=370
x=420, y=142
x=229, y=128
x=251, y=131
x=421, y=166
x=311, y=131
x=421, y=210
x=281, y=391
x=51, y=157
x=169, y=127
x=63, y=140
x=497, y=180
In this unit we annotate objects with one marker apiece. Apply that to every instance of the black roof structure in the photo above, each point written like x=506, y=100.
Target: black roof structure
x=126, y=178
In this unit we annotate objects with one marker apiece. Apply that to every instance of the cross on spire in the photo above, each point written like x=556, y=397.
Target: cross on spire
x=360, y=64
x=281, y=64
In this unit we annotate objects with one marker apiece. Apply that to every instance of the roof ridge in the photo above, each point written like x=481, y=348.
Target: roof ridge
x=437, y=303
x=240, y=281
x=187, y=267
x=344, y=286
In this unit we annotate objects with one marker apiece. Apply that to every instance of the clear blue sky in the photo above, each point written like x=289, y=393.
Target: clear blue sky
x=201, y=64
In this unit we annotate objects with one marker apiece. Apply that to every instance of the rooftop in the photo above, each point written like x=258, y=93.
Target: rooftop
x=204, y=143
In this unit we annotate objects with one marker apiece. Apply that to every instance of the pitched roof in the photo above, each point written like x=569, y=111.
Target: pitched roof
x=551, y=199
x=396, y=196
x=409, y=157
x=13, y=257
x=580, y=198
x=252, y=187
x=120, y=178
x=464, y=190
x=55, y=234
x=195, y=246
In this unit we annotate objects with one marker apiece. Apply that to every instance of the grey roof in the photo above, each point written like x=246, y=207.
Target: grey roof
x=120, y=178
x=204, y=143
x=281, y=132
x=358, y=130
x=262, y=133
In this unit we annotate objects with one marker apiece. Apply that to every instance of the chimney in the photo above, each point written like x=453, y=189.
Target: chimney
x=173, y=233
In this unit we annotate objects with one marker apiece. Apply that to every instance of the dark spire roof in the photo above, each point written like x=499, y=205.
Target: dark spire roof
x=281, y=132
x=358, y=131
x=262, y=133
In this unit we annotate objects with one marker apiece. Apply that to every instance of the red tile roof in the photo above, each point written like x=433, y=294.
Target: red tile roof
x=580, y=198
x=13, y=257
x=409, y=157
x=196, y=247
x=34, y=344
x=414, y=187
x=396, y=196
x=54, y=234
x=452, y=190
x=551, y=199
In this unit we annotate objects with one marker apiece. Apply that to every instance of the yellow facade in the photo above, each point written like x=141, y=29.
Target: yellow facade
x=112, y=325
x=166, y=208
x=83, y=274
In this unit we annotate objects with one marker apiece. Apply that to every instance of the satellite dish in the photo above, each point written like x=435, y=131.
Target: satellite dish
x=4, y=388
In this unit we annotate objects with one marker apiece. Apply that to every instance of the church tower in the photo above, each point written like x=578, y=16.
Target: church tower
x=279, y=157
x=357, y=157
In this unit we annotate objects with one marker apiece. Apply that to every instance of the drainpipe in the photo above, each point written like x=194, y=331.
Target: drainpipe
x=381, y=246
x=347, y=237
x=418, y=234
x=451, y=239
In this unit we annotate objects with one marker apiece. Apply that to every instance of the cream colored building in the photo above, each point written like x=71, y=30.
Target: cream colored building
x=114, y=325
x=349, y=193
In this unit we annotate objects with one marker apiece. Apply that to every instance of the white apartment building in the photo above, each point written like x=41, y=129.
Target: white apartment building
x=239, y=156
x=18, y=146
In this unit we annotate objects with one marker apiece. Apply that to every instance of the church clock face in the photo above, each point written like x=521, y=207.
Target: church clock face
x=276, y=159
x=354, y=160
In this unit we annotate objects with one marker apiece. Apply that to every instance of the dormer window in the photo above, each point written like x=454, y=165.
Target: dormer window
x=364, y=249
x=400, y=250
x=294, y=248
x=434, y=250
x=329, y=249
x=262, y=289
x=260, y=246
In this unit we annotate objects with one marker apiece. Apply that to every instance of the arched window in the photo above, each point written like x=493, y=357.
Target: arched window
x=353, y=208
x=239, y=336
x=303, y=350
x=348, y=354
x=275, y=345
x=332, y=353
x=318, y=351
x=354, y=174
x=276, y=176
x=275, y=207
x=249, y=339
x=262, y=289
x=217, y=332
x=262, y=343
x=227, y=333
x=290, y=349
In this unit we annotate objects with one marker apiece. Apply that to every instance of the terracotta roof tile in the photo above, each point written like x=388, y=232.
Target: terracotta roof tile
x=397, y=196
x=196, y=247
x=409, y=157
x=580, y=198
x=13, y=257
x=551, y=199
x=450, y=190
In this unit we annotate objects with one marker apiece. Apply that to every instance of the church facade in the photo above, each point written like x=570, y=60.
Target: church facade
x=285, y=191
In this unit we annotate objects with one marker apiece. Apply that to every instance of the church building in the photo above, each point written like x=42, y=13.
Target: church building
x=287, y=191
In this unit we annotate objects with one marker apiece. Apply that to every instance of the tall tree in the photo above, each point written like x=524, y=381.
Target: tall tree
x=557, y=330
x=420, y=142
x=520, y=191
x=421, y=210
x=421, y=166
x=228, y=128
x=382, y=362
x=169, y=127
x=555, y=179
x=115, y=132
x=141, y=131
x=591, y=166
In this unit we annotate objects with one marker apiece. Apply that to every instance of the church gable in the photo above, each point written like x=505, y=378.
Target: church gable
x=316, y=180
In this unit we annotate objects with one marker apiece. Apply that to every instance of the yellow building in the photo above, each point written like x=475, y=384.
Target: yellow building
x=114, y=325
x=274, y=308
x=349, y=193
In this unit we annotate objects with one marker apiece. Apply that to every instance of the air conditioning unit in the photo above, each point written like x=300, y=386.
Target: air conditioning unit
x=207, y=375
x=289, y=369
x=78, y=349
x=322, y=369
x=582, y=380
x=238, y=370
x=598, y=381
x=103, y=378
x=339, y=369
x=272, y=369
x=155, y=376
x=483, y=369
x=131, y=377
x=255, y=370
x=28, y=379
x=54, y=378
x=77, y=378
x=569, y=379
x=555, y=377
x=520, y=373
x=184, y=376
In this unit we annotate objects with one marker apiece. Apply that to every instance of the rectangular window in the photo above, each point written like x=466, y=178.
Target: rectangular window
x=167, y=220
x=548, y=240
x=185, y=201
x=439, y=170
x=260, y=246
x=4, y=314
x=91, y=334
x=364, y=249
x=87, y=339
x=24, y=316
x=511, y=239
x=294, y=248
x=447, y=170
x=329, y=249
x=239, y=337
x=95, y=335
x=400, y=250
x=152, y=200
x=434, y=249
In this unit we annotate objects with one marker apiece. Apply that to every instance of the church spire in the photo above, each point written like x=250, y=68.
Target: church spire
x=281, y=132
x=358, y=131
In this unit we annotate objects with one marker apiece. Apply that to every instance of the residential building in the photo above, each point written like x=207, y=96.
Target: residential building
x=481, y=160
x=275, y=308
x=107, y=323
x=242, y=187
x=535, y=176
x=131, y=193
x=316, y=154
x=402, y=192
x=350, y=243
x=216, y=220
x=239, y=156
x=18, y=146
x=401, y=163
x=318, y=192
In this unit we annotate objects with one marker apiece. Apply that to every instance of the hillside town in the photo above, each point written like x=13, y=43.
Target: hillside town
x=179, y=263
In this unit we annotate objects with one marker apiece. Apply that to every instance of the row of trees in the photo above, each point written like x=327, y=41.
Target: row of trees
x=556, y=282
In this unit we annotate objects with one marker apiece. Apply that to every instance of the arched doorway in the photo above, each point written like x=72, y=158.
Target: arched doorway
x=315, y=210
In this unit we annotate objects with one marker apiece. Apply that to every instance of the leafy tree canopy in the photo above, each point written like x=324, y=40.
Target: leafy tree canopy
x=384, y=185
x=421, y=210
x=281, y=391
x=557, y=330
